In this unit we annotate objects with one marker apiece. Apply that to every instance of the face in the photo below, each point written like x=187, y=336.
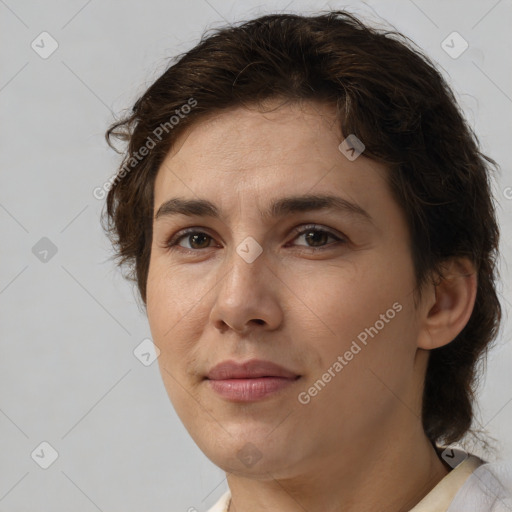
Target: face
x=324, y=292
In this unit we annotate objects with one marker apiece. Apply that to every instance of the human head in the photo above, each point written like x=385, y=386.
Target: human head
x=392, y=98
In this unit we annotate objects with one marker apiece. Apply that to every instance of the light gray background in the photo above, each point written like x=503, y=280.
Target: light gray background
x=69, y=325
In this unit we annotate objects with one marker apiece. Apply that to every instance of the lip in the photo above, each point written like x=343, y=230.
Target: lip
x=249, y=381
x=249, y=370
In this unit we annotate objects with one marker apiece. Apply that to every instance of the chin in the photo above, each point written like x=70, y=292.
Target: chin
x=255, y=456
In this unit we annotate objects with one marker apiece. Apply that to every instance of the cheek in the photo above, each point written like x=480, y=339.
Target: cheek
x=158, y=304
x=170, y=297
x=169, y=310
x=169, y=316
x=345, y=300
x=364, y=310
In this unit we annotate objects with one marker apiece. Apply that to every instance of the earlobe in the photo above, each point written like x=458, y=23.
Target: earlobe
x=454, y=298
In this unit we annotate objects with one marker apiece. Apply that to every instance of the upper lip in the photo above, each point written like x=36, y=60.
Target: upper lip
x=248, y=370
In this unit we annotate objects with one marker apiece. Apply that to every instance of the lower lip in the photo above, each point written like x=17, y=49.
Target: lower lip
x=249, y=390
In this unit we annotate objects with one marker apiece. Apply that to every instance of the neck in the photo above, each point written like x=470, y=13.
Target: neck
x=392, y=477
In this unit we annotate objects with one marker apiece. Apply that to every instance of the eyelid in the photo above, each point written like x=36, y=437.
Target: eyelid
x=172, y=241
x=300, y=230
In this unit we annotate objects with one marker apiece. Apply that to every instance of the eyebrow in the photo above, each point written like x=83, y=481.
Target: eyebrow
x=277, y=209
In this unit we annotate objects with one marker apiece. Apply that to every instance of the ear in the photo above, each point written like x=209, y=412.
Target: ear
x=448, y=304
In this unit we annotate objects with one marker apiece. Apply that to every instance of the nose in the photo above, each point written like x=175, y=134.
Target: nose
x=247, y=295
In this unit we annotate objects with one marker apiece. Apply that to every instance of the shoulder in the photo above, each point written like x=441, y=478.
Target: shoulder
x=222, y=504
x=487, y=489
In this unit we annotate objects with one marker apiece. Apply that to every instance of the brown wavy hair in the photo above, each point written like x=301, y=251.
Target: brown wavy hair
x=387, y=93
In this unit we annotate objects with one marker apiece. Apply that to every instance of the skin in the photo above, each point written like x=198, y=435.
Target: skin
x=359, y=443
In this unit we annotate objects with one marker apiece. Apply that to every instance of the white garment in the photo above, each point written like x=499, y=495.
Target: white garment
x=222, y=504
x=471, y=486
x=487, y=489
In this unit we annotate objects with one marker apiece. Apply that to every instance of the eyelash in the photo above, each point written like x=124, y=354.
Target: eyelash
x=173, y=242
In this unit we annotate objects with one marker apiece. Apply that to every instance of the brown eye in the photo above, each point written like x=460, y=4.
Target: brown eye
x=316, y=237
x=196, y=239
x=199, y=239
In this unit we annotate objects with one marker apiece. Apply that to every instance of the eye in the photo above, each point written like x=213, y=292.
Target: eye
x=194, y=236
x=315, y=235
x=200, y=240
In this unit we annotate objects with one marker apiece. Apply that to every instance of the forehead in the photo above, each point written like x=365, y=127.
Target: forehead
x=241, y=135
x=248, y=154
